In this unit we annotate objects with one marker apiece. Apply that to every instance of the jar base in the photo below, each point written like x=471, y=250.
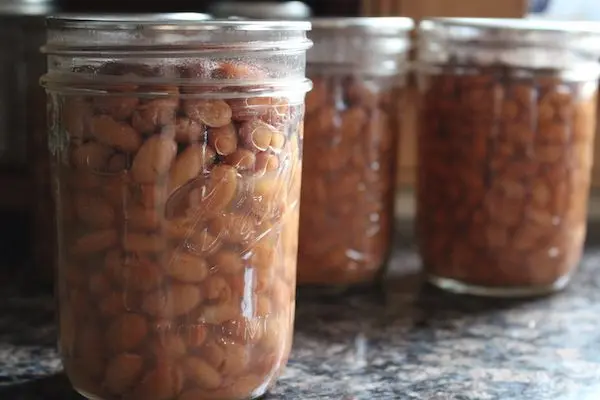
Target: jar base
x=459, y=287
x=337, y=289
x=89, y=396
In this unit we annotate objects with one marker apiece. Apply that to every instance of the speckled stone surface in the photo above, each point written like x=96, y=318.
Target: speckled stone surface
x=407, y=341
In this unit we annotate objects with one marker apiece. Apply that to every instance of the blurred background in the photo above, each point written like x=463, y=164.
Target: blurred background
x=25, y=198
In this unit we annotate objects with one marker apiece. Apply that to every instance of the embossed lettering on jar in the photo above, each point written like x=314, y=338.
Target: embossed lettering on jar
x=505, y=154
x=351, y=131
x=178, y=191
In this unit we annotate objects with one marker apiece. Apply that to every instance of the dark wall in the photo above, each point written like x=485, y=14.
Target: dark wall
x=133, y=6
x=319, y=7
x=342, y=8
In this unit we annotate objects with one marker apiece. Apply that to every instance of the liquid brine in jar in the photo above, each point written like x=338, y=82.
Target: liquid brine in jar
x=177, y=167
x=505, y=152
x=358, y=68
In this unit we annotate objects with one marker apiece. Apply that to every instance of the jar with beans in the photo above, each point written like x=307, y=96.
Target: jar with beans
x=506, y=140
x=176, y=156
x=358, y=67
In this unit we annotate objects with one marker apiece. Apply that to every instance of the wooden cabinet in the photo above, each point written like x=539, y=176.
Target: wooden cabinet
x=445, y=8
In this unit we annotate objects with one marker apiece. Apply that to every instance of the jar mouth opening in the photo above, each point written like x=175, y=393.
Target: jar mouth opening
x=512, y=24
x=168, y=21
x=157, y=35
x=510, y=35
x=295, y=10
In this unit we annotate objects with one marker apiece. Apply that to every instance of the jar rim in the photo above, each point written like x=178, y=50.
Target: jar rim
x=364, y=24
x=569, y=47
x=512, y=24
x=37, y=8
x=168, y=21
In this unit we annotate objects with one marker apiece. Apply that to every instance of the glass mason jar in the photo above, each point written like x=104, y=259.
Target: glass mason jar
x=506, y=139
x=176, y=157
x=25, y=210
x=358, y=68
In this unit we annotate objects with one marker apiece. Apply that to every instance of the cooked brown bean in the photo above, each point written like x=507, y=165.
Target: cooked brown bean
x=189, y=131
x=187, y=267
x=94, y=242
x=213, y=113
x=143, y=242
x=133, y=273
x=250, y=108
x=150, y=195
x=217, y=314
x=154, y=114
x=176, y=299
x=118, y=107
x=237, y=70
x=227, y=261
x=224, y=139
x=170, y=346
x=117, y=163
x=98, y=284
x=277, y=141
x=242, y=159
x=76, y=118
x=201, y=373
x=220, y=189
x=163, y=382
x=114, y=303
x=126, y=332
x=122, y=372
x=92, y=155
x=190, y=164
x=266, y=162
x=257, y=135
x=236, y=229
x=138, y=217
x=153, y=160
x=94, y=211
x=119, y=135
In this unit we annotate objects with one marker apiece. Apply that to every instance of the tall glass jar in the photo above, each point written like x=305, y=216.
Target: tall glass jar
x=26, y=211
x=505, y=152
x=358, y=68
x=176, y=151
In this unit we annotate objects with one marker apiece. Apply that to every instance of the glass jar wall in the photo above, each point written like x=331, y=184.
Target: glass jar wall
x=176, y=156
x=358, y=67
x=505, y=152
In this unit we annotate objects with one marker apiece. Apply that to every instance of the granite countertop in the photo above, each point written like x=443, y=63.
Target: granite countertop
x=407, y=341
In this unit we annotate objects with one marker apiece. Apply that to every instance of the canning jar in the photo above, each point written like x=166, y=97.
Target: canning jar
x=358, y=67
x=26, y=212
x=176, y=156
x=505, y=152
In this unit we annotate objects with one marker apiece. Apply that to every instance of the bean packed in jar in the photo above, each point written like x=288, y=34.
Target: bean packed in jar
x=505, y=152
x=176, y=152
x=358, y=68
